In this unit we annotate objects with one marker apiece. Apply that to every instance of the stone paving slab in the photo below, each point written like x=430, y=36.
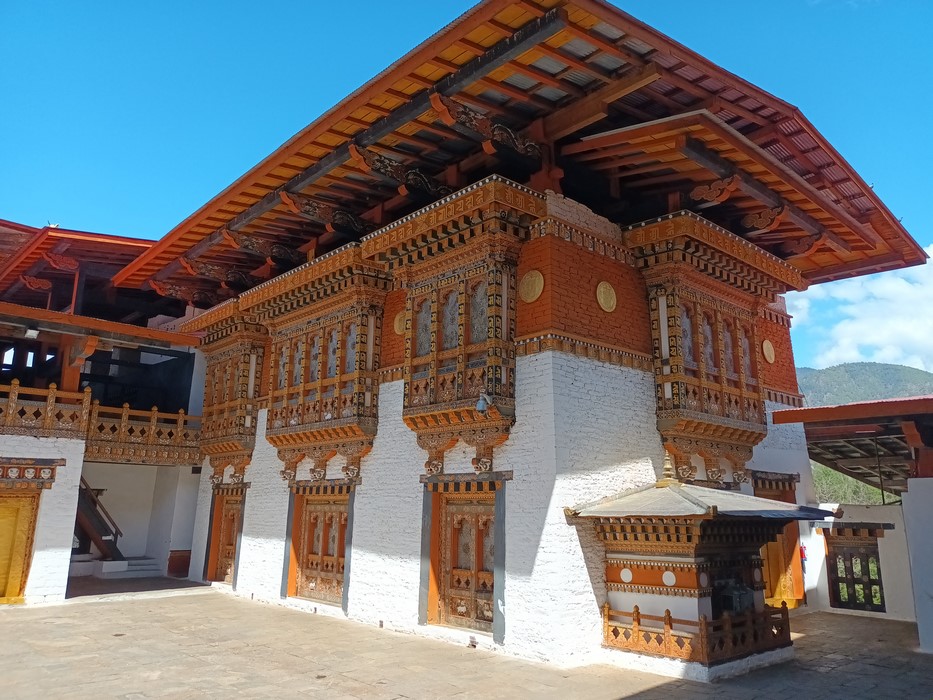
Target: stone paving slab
x=203, y=643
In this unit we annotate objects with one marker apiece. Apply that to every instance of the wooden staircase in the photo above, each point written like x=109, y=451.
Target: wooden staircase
x=97, y=523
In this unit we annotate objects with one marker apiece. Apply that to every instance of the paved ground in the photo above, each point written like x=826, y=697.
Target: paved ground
x=202, y=643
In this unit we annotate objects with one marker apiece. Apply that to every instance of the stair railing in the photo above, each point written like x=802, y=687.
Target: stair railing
x=92, y=495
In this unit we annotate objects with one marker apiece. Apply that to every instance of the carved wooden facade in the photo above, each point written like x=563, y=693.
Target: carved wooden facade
x=459, y=258
x=319, y=542
x=235, y=345
x=325, y=321
x=705, y=288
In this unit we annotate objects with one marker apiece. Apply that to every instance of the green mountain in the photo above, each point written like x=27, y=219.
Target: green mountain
x=861, y=381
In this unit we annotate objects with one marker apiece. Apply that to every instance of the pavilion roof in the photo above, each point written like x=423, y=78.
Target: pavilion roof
x=872, y=441
x=678, y=500
x=551, y=71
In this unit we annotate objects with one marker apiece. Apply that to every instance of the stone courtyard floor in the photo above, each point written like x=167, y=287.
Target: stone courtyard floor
x=203, y=643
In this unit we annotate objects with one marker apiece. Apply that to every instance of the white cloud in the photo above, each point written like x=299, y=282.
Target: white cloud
x=886, y=317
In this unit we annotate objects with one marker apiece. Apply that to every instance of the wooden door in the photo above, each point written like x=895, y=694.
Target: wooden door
x=321, y=550
x=17, y=528
x=230, y=519
x=467, y=552
x=781, y=561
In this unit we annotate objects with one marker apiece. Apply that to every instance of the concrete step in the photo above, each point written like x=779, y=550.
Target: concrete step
x=135, y=567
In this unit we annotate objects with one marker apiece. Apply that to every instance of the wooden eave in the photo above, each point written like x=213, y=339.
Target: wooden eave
x=86, y=247
x=874, y=442
x=68, y=324
x=564, y=59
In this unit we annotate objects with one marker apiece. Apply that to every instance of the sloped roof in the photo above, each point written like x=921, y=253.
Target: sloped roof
x=686, y=500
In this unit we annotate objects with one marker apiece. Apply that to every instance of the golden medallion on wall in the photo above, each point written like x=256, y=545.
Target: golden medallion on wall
x=531, y=286
x=606, y=296
x=767, y=349
x=399, y=323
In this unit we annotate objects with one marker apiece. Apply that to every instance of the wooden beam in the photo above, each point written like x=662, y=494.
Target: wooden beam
x=712, y=161
x=595, y=106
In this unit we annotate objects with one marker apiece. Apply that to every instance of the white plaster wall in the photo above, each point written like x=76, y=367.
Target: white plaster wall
x=202, y=524
x=55, y=524
x=918, y=520
x=784, y=450
x=386, y=545
x=186, y=503
x=159, y=537
x=892, y=552
x=128, y=499
x=584, y=430
x=262, y=546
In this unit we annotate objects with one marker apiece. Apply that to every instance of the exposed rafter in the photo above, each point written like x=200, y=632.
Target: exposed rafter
x=411, y=180
x=494, y=135
x=334, y=218
x=716, y=164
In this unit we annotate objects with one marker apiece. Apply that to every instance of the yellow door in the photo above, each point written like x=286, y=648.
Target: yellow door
x=17, y=525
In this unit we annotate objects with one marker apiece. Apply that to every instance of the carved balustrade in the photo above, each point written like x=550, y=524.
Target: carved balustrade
x=704, y=641
x=43, y=412
x=142, y=437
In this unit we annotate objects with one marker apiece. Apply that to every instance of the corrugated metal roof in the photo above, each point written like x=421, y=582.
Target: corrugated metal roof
x=684, y=500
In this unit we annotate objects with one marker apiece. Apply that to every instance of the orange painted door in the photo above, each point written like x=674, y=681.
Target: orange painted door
x=230, y=517
x=467, y=536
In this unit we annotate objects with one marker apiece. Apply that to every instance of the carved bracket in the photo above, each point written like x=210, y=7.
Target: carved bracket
x=409, y=179
x=274, y=253
x=436, y=445
x=485, y=439
x=717, y=191
x=200, y=298
x=354, y=452
x=333, y=218
x=64, y=263
x=36, y=284
x=228, y=277
x=495, y=135
x=766, y=219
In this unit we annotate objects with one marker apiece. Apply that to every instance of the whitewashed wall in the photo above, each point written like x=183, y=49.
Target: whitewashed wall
x=128, y=498
x=186, y=502
x=202, y=524
x=892, y=551
x=55, y=524
x=784, y=450
x=918, y=521
x=159, y=539
x=262, y=548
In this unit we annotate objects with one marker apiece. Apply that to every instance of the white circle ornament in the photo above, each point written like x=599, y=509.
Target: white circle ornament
x=531, y=286
x=669, y=578
x=399, y=323
x=606, y=296
x=767, y=349
x=704, y=579
x=626, y=575
x=757, y=575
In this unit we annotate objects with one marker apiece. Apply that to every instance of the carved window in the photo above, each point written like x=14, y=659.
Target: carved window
x=349, y=351
x=746, y=351
x=423, y=329
x=282, y=365
x=854, y=569
x=315, y=359
x=709, y=345
x=298, y=361
x=321, y=548
x=728, y=349
x=479, y=314
x=450, y=322
x=687, y=337
x=332, y=353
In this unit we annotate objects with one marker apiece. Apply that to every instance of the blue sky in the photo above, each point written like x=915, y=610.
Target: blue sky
x=125, y=117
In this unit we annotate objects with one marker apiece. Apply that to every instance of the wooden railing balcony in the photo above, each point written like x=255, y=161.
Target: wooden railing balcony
x=43, y=412
x=707, y=642
x=111, y=434
x=142, y=437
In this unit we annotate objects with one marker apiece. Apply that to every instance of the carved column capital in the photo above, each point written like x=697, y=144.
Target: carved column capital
x=354, y=452
x=485, y=439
